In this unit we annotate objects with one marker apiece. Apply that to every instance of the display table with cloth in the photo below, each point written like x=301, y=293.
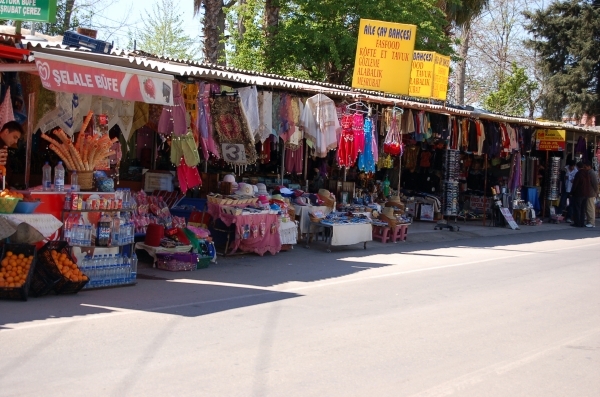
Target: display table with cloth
x=152, y=251
x=531, y=195
x=343, y=233
x=288, y=232
x=303, y=212
x=215, y=210
x=258, y=233
x=28, y=228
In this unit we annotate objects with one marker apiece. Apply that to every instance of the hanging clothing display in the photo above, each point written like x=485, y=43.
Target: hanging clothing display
x=346, y=142
x=232, y=133
x=293, y=160
x=185, y=147
x=188, y=176
x=249, y=102
x=321, y=125
x=173, y=118
x=265, y=115
x=366, y=159
x=359, y=135
x=204, y=121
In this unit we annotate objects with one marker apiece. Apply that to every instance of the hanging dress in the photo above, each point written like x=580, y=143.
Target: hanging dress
x=346, y=143
x=359, y=135
x=366, y=160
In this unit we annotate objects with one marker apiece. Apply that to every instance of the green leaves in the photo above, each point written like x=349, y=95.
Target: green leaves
x=513, y=94
x=567, y=36
x=317, y=39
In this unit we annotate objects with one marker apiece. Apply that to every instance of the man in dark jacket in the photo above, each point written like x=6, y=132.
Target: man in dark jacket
x=591, y=201
x=581, y=190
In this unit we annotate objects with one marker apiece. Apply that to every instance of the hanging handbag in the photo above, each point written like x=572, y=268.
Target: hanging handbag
x=392, y=144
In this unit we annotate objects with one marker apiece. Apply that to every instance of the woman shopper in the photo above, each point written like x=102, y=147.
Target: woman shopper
x=568, y=174
x=580, y=191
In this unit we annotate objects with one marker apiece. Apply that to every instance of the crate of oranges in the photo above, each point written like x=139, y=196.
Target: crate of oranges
x=16, y=270
x=57, y=271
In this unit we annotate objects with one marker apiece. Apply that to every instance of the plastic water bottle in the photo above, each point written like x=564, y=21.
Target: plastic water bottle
x=116, y=236
x=88, y=235
x=80, y=232
x=74, y=181
x=127, y=266
x=59, y=177
x=134, y=263
x=47, y=177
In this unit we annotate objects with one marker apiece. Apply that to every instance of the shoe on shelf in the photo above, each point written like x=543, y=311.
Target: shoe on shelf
x=589, y=225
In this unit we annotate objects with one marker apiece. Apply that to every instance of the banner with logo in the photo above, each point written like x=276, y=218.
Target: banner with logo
x=421, y=75
x=28, y=10
x=384, y=55
x=441, y=72
x=85, y=77
x=551, y=140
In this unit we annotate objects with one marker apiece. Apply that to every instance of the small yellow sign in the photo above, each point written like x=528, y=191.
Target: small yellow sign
x=384, y=55
x=421, y=75
x=551, y=140
x=441, y=72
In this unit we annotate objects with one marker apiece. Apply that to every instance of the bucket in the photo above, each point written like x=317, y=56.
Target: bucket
x=85, y=180
x=154, y=234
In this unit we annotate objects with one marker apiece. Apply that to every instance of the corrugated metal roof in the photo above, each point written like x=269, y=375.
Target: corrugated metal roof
x=201, y=70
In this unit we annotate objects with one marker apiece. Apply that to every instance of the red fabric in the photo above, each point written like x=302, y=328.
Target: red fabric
x=346, y=143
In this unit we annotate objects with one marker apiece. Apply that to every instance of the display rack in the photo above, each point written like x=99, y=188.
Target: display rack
x=89, y=249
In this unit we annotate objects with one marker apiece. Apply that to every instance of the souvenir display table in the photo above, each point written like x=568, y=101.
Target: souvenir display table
x=342, y=233
x=288, y=233
x=303, y=212
x=29, y=228
x=257, y=233
x=152, y=251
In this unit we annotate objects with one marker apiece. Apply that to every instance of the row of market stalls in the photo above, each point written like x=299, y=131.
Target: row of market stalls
x=195, y=159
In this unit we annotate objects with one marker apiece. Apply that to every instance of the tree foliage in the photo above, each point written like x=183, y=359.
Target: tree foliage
x=317, y=39
x=163, y=35
x=513, y=94
x=567, y=36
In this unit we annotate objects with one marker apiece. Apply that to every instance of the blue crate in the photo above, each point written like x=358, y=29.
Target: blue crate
x=186, y=205
x=73, y=39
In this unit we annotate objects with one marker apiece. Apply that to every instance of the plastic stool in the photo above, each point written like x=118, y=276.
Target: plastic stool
x=381, y=233
x=399, y=233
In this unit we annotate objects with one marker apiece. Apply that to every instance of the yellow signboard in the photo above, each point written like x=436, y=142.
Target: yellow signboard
x=384, y=54
x=421, y=75
x=440, y=77
x=551, y=140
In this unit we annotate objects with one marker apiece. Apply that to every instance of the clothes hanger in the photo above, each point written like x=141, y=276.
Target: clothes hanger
x=358, y=107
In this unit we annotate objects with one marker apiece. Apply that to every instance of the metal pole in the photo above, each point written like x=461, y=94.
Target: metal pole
x=305, y=165
x=29, y=132
x=485, y=167
x=543, y=188
x=282, y=159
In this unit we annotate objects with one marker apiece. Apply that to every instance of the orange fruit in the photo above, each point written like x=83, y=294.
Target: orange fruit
x=21, y=256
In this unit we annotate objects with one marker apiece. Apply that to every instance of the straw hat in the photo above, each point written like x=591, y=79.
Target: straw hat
x=395, y=199
x=389, y=212
x=262, y=188
x=278, y=197
x=229, y=178
x=244, y=189
x=324, y=193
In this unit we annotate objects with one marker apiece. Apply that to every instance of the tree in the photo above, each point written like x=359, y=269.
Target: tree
x=567, y=35
x=163, y=35
x=513, y=94
x=317, y=40
x=213, y=28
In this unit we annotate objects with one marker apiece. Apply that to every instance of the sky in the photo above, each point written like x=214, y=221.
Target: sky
x=119, y=16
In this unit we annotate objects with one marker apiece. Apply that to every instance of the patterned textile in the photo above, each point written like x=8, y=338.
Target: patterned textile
x=141, y=112
x=6, y=109
x=321, y=125
x=173, y=119
x=230, y=127
x=265, y=113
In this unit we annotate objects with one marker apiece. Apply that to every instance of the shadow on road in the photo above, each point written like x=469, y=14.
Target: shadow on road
x=242, y=281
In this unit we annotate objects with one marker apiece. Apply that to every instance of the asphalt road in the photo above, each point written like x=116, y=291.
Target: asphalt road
x=501, y=316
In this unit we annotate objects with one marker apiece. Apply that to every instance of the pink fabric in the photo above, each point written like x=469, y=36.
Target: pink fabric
x=6, y=109
x=359, y=135
x=215, y=210
x=260, y=244
x=188, y=176
x=172, y=118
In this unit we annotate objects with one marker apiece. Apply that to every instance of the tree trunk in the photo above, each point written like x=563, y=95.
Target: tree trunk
x=214, y=27
x=461, y=69
x=241, y=22
x=271, y=24
x=69, y=4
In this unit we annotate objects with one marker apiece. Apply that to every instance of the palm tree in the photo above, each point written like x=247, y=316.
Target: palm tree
x=213, y=28
x=461, y=15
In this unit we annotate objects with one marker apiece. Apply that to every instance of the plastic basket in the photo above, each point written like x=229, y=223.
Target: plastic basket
x=26, y=207
x=8, y=205
x=48, y=278
x=73, y=39
x=19, y=293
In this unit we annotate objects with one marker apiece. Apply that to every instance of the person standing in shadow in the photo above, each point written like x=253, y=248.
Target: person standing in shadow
x=580, y=191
